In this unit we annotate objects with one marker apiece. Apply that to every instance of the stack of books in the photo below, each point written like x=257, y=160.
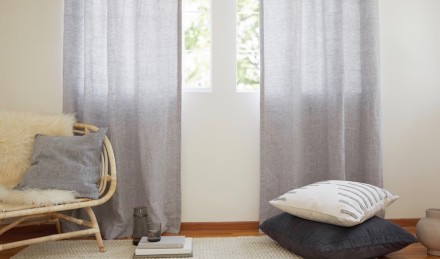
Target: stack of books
x=168, y=246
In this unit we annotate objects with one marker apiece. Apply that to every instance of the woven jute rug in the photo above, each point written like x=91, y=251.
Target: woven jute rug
x=252, y=247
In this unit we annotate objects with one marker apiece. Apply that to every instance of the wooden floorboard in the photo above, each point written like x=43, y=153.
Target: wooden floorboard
x=414, y=251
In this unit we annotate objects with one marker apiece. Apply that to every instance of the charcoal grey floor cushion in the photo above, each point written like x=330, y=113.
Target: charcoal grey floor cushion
x=314, y=240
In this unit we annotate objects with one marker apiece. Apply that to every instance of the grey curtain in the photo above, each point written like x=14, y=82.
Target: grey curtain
x=320, y=94
x=122, y=71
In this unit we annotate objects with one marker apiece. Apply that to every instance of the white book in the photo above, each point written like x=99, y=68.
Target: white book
x=165, y=242
x=186, y=249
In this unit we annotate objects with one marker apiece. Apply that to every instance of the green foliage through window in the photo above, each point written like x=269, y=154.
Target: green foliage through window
x=196, y=44
x=248, y=45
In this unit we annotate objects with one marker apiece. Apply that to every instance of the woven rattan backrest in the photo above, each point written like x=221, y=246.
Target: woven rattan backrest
x=107, y=168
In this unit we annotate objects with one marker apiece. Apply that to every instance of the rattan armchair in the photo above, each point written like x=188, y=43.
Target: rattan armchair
x=16, y=216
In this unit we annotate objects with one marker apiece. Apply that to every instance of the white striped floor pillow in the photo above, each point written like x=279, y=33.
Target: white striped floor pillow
x=342, y=203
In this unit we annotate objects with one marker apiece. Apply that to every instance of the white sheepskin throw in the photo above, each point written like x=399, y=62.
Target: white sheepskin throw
x=17, y=134
x=35, y=197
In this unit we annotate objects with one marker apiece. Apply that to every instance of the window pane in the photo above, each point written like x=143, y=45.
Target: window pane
x=248, y=6
x=248, y=71
x=248, y=45
x=195, y=5
x=248, y=31
x=196, y=44
x=196, y=31
x=196, y=69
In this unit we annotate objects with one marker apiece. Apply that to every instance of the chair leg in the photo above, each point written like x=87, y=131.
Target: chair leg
x=92, y=217
x=58, y=226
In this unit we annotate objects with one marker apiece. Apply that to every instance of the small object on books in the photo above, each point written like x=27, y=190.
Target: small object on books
x=165, y=242
x=139, y=224
x=185, y=251
x=153, y=231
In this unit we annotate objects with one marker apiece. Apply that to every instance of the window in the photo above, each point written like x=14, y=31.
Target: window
x=248, y=45
x=196, y=45
x=196, y=41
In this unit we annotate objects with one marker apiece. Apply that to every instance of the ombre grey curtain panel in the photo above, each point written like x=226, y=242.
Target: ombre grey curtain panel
x=320, y=94
x=122, y=71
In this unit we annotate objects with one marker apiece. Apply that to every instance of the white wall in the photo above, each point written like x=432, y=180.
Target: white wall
x=410, y=47
x=220, y=178
x=31, y=55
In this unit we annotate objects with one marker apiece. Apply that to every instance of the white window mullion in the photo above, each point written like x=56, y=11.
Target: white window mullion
x=223, y=45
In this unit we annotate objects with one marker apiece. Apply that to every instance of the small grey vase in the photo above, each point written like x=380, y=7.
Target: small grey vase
x=428, y=231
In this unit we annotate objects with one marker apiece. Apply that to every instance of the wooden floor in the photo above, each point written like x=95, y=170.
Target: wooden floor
x=414, y=251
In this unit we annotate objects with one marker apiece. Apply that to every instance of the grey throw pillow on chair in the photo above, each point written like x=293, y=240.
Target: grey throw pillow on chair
x=66, y=163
